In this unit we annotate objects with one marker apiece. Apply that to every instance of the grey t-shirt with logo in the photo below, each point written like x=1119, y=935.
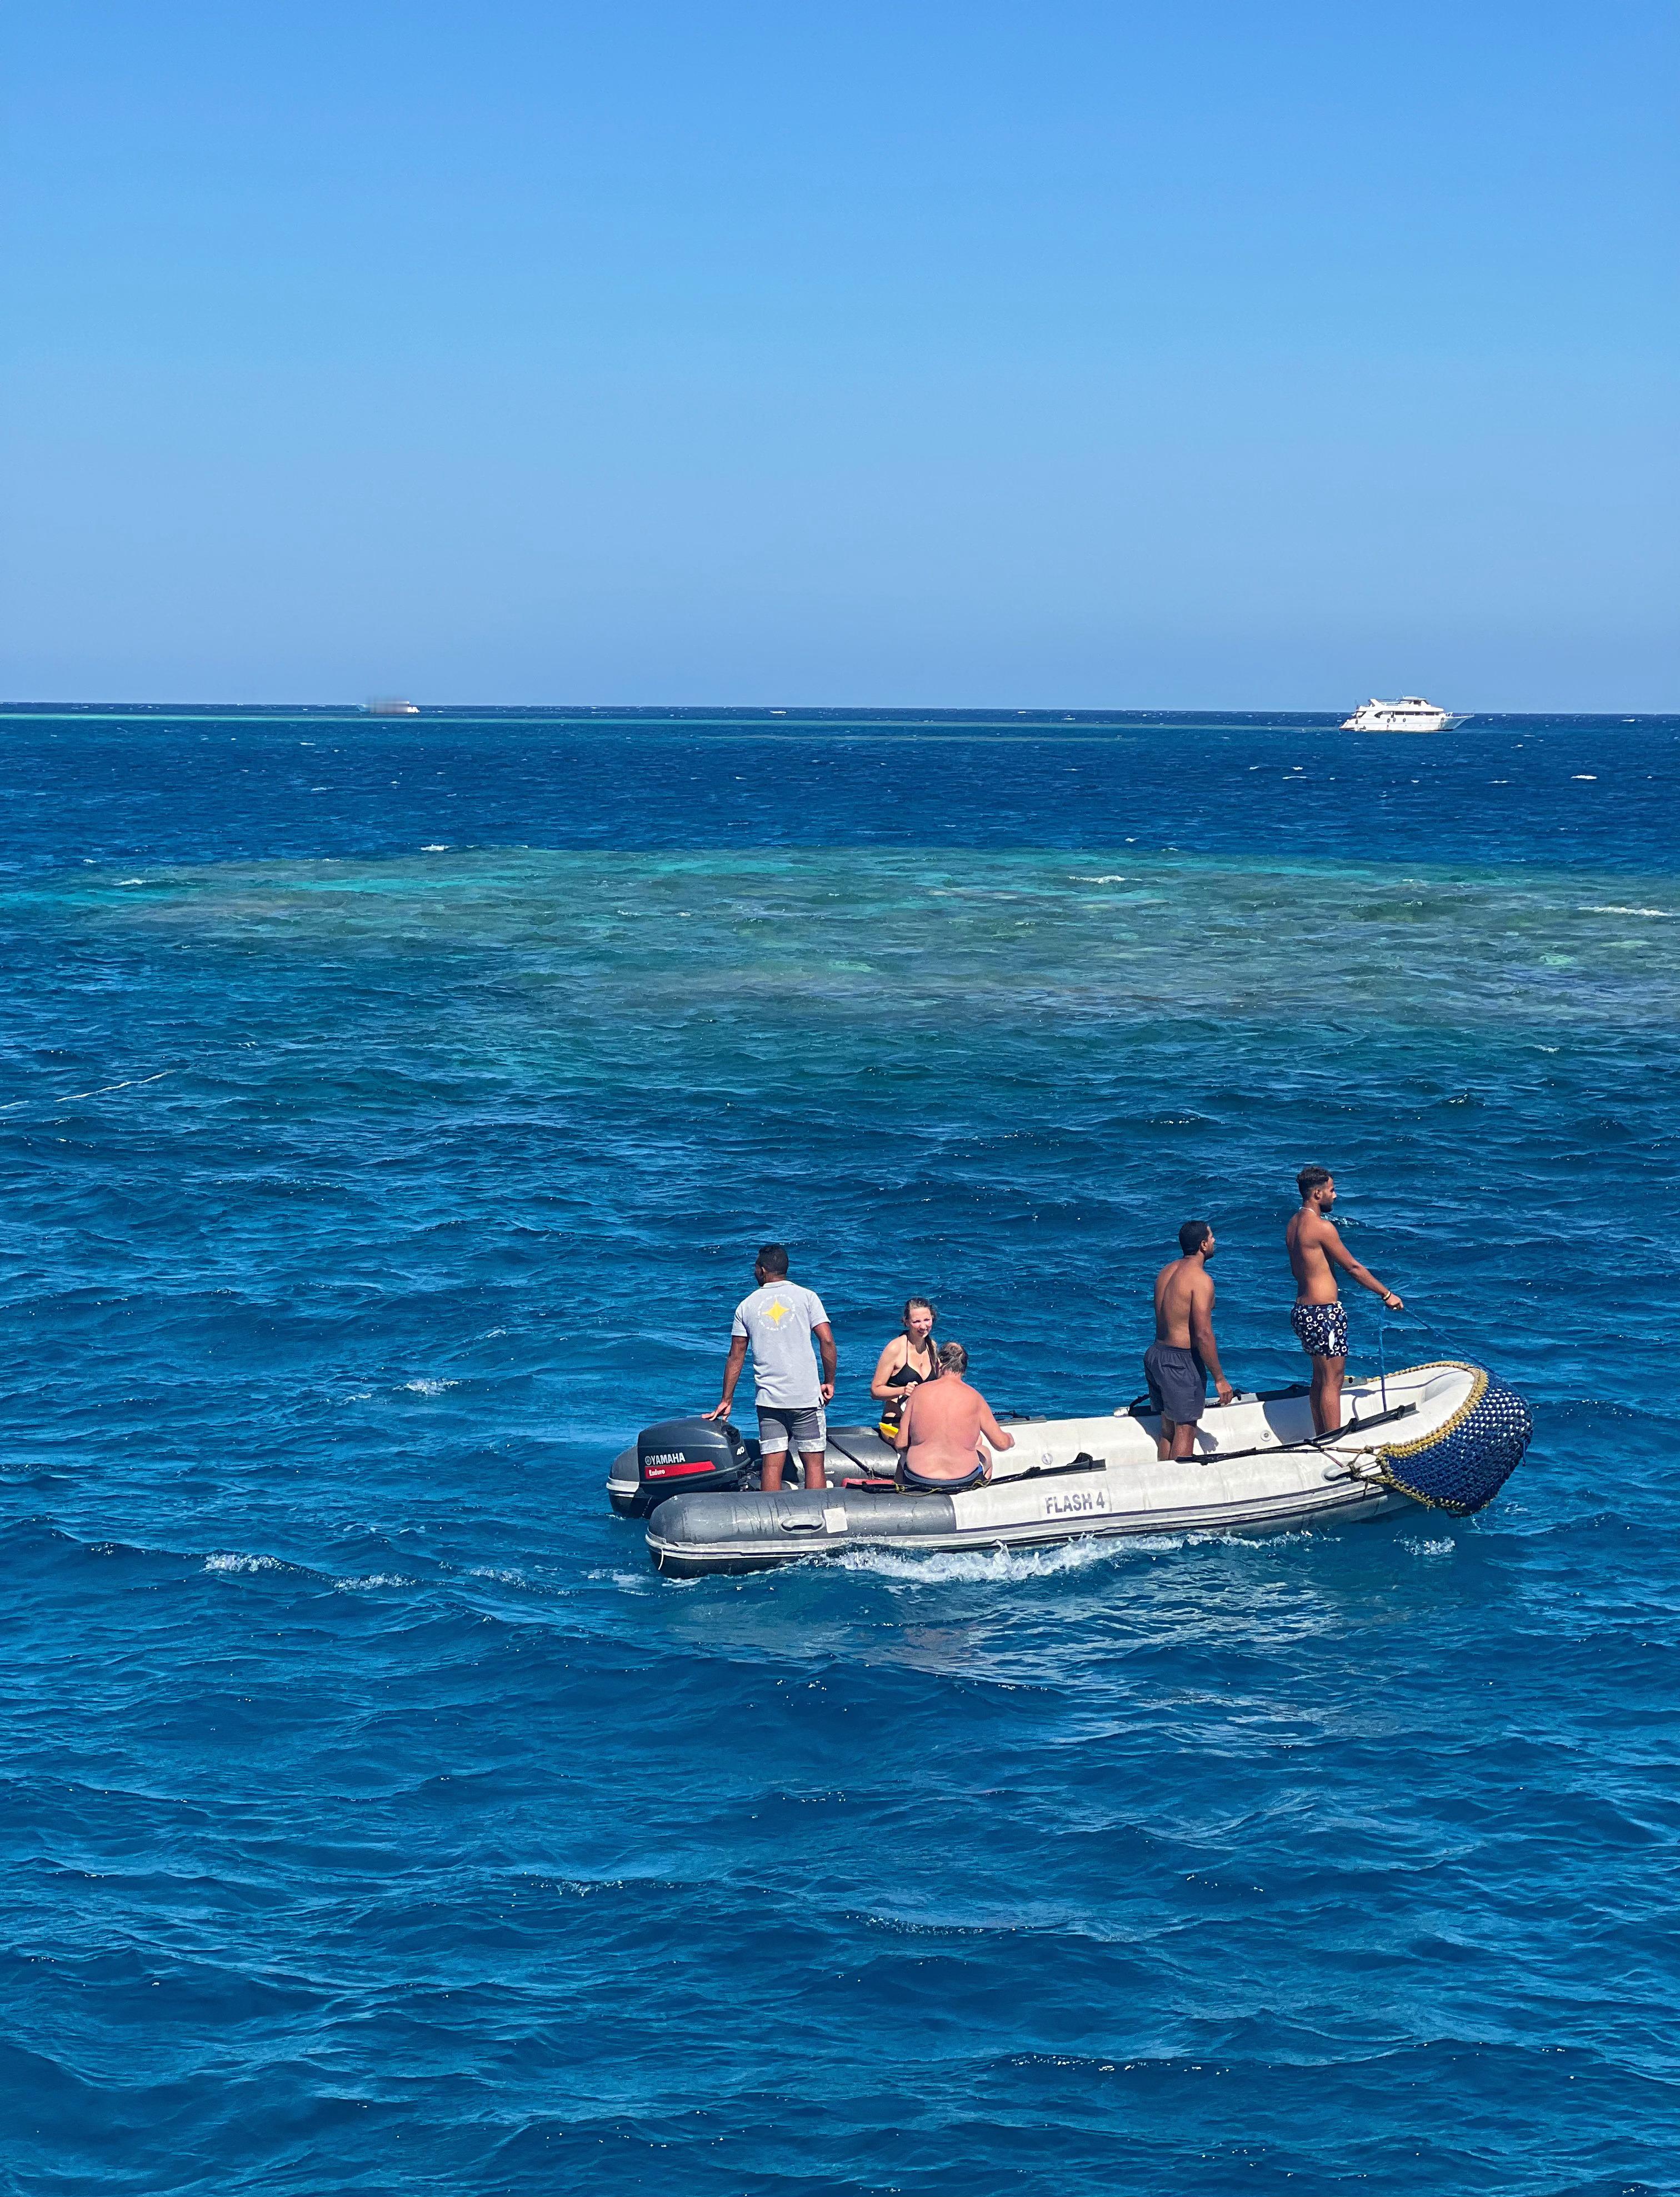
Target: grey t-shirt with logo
x=776, y=1321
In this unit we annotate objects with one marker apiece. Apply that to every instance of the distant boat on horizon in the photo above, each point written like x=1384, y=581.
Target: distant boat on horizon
x=1410, y=713
x=390, y=705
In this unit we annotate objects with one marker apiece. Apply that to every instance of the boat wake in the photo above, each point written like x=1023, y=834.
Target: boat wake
x=987, y=1566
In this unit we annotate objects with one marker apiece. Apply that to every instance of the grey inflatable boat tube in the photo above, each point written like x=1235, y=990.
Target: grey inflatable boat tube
x=747, y=1532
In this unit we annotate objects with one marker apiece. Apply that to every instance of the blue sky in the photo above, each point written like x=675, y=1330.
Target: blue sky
x=1081, y=355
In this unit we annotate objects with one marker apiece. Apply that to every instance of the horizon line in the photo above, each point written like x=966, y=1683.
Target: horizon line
x=1005, y=713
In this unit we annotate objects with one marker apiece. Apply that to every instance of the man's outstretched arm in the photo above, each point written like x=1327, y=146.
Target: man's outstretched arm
x=824, y=1334
x=732, y=1374
x=1344, y=1259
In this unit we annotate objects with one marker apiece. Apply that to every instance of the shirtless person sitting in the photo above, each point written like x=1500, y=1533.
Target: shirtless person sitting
x=1318, y=1320
x=940, y=1429
x=1184, y=1353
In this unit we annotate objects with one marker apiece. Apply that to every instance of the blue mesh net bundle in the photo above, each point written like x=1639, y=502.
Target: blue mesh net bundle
x=1463, y=1465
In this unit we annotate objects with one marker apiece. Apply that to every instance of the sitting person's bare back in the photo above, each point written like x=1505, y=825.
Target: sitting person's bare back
x=940, y=1433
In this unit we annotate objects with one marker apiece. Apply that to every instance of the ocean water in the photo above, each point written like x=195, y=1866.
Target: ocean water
x=391, y=1115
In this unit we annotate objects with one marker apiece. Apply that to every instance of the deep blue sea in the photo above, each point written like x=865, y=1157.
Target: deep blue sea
x=391, y=1112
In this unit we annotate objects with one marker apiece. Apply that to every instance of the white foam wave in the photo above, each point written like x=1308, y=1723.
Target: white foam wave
x=230, y=1561
x=373, y=1578
x=429, y=1387
x=991, y=1568
x=1611, y=908
x=982, y=1567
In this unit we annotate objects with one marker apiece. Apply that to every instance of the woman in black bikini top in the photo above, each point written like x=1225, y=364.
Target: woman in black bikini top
x=908, y=1359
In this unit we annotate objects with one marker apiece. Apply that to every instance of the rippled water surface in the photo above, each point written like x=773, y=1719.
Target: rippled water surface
x=391, y=1115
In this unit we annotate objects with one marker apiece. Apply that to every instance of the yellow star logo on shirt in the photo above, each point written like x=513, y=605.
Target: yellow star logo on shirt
x=777, y=1311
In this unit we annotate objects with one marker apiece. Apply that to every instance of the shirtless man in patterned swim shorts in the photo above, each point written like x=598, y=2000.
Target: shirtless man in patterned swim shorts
x=1319, y=1320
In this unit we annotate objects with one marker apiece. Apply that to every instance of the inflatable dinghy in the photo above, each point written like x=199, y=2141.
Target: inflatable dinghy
x=1446, y=1434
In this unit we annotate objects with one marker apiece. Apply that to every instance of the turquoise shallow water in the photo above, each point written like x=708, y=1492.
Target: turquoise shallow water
x=375, y=1820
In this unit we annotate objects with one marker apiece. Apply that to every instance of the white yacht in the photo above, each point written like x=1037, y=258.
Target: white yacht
x=391, y=705
x=1410, y=713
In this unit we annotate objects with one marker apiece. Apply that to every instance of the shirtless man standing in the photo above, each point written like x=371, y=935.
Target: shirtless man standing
x=1184, y=1353
x=1319, y=1320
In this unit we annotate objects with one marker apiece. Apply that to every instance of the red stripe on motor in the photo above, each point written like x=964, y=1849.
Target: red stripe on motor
x=677, y=1471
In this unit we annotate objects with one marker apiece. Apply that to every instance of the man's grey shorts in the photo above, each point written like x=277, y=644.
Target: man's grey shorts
x=1177, y=1382
x=788, y=1426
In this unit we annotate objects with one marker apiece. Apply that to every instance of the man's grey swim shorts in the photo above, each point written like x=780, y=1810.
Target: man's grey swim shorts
x=790, y=1426
x=1177, y=1382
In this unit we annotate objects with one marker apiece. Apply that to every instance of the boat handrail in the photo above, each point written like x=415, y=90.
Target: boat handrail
x=1083, y=1462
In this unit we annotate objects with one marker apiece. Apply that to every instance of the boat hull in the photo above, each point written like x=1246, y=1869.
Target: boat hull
x=1373, y=718
x=1257, y=1469
x=698, y=1536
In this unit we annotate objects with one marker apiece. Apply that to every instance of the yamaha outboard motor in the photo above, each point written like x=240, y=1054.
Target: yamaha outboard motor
x=674, y=1459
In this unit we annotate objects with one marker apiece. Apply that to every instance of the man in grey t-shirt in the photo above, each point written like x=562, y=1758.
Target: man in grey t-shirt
x=780, y=1319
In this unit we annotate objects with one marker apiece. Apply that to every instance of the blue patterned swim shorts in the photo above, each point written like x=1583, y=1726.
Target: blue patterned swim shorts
x=1321, y=1330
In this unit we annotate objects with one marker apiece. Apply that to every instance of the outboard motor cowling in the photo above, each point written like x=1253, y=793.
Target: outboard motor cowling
x=675, y=1458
